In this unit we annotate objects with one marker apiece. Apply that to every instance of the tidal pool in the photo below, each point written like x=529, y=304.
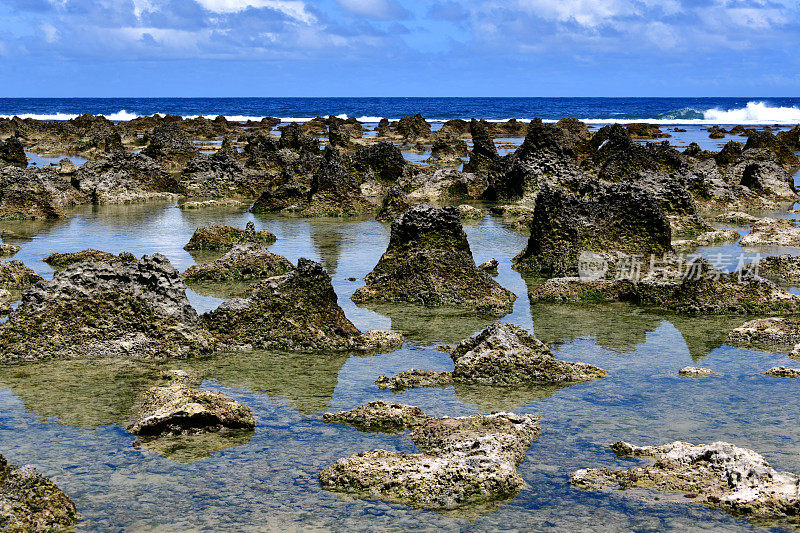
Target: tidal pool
x=68, y=417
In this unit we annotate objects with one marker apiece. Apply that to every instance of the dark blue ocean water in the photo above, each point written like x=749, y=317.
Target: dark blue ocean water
x=666, y=110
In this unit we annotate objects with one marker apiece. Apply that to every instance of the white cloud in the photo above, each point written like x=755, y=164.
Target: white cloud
x=292, y=8
x=589, y=13
x=376, y=9
x=50, y=32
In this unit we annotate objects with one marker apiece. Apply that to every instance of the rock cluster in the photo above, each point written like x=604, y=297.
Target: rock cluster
x=15, y=275
x=720, y=475
x=130, y=309
x=35, y=194
x=297, y=311
x=501, y=355
x=221, y=238
x=464, y=462
x=31, y=502
x=429, y=262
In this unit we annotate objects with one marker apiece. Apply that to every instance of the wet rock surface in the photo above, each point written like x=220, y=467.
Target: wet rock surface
x=9, y=250
x=695, y=372
x=469, y=461
x=429, y=262
x=124, y=177
x=773, y=232
x=780, y=334
x=782, y=269
x=35, y=194
x=501, y=355
x=783, y=372
x=221, y=238
x=15, y=275
x=379, y=416
x=13, y=153
x=31, y=502
x=720, y=475
x=134, y=309
x=62, y=260
x=297, y=311
x=178, y=408
x=616, y=218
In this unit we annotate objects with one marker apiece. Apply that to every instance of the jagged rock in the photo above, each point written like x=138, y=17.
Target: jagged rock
x=415, y=378
x=709, y=238
x=293, y=138
x=484, y=152
x=221, y=238
x=446, y=184
x=613, y=218
x=13, y=153
x=383, y=128
x=248, y=259
x=775, y=333
x=490, y=267
x=337, y=135
x=379, y=416
x=737, y=217
x=123, y=178
x=719, y=475
x=766, y=140
x=30, y=502
x=297, y=311
x=468, y=212
x=645, y=131
x=413, y=127
x=456, y=127
x=128, y=309
x=791, y=138
x=62, y=260
x=219, y=175
x=35, y=194
x=465, y=461
x=716, y=132
x=15, y=275
x=395, y=203
x=783, y=372
x=694, y=372
x=169, y=145
x=782, y=269
x=429, y=262
x=503, y=355
x=178, y=408
x=546, y=157
x=64, y=167
x=772, y=232
x=618, y=157
x=382, y=160
x=9, y=250
x=575, y=127
x=447, y=152
x=693, y=287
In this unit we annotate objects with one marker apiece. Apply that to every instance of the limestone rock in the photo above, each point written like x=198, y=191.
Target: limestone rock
x=221, y=238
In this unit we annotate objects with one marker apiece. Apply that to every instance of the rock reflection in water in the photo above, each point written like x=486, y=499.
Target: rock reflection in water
x=195, y=447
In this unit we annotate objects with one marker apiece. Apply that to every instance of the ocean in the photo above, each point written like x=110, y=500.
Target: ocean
x=688, y=111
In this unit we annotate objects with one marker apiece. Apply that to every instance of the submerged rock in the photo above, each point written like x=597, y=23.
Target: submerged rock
x=772, y=232
x=774, y=333
x=783, y=372
x=694, y=371
x=501, y=355
x=297, y=311
x=429, y=262
x=221, y=238
x=607, y=219
x=31, y=502
x=466, y=462
x=379, y=416
x=133, y=309
x=178, y=408
x=15, y=275
x=247, y=260
x=720, y=475
x=61, y=260
x=9, y=250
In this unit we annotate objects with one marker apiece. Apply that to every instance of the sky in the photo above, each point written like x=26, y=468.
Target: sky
x=188, y=48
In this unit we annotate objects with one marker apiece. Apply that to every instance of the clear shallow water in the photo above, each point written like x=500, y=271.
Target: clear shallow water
x=68, y=417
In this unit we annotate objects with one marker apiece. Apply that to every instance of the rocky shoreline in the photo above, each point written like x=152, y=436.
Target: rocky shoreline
x=592, y=204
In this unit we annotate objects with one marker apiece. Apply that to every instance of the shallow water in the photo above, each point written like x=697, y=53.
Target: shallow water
x=68, y=418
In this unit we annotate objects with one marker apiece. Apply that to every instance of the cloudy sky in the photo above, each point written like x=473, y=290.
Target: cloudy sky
x=399, y=48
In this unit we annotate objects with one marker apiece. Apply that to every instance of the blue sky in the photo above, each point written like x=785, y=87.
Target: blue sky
x=399, y=48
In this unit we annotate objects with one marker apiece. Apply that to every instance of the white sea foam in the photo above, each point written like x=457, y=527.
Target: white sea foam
x=753, y=113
